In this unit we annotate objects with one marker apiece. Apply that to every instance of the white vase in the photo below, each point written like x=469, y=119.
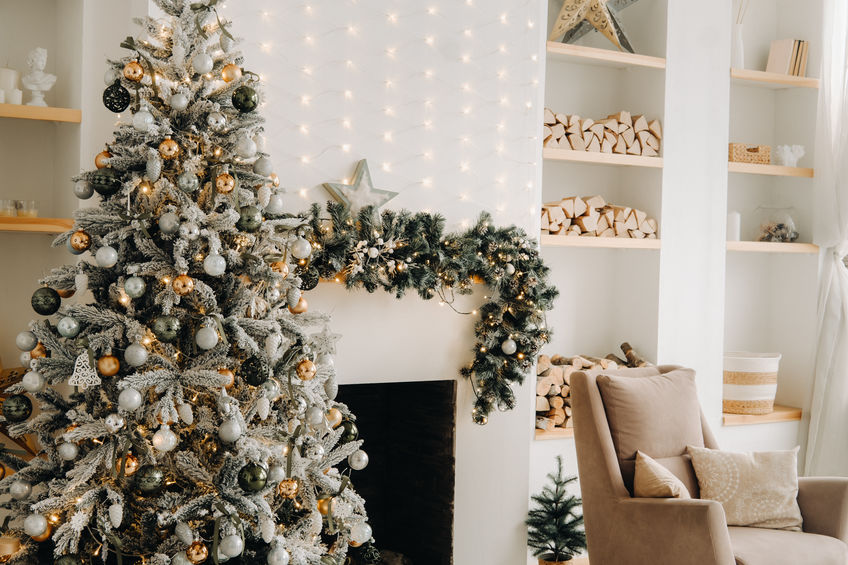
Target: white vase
x=737, y=48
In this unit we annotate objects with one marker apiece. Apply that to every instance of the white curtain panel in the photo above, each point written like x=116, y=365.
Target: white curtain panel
x=827, y=453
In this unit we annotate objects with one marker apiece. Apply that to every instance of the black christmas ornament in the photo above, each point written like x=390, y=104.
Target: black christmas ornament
x=254, y=371
x=250, y=218
x=349, y=431
x=245, y=99
x=46, y=301
x=17, y=408
x=116, y=98
x=309, y=279
x=106, y=181
x=149, y=480
x=252, y=477
x=68, y=560
x=166, y=328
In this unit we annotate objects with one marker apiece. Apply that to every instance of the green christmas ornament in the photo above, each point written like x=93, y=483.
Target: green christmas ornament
x=46, y=301
x=106, y=181
x=250, y=218
x=149, y=480
x=350, y=432
x=245, y=99
x=254, y=371
x=68, y=560
x=17, y=408
x=252, y=477
x=166, y=328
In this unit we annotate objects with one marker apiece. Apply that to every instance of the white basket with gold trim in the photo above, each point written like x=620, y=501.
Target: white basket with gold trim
x=750, y=382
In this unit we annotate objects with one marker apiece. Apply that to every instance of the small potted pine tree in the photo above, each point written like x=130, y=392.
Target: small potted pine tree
x=555, y=524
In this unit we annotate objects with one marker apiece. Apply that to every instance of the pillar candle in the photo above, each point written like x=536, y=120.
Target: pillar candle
x=734, y=225
x=8, y=79
x=15, y=96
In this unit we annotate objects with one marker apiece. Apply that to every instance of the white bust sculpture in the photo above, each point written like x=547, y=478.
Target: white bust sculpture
x=37, y=80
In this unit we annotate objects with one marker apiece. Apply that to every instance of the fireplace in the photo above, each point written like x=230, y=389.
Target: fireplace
x=409, y=431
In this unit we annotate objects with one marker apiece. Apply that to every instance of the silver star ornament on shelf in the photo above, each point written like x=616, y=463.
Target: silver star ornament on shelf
x=360, y=192
x=578, y=17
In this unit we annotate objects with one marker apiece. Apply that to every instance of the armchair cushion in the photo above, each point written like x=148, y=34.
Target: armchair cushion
x=759, y=546
x=652, y=480
x=824, y=505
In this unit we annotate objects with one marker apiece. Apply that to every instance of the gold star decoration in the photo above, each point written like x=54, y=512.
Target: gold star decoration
x=576, y=16
x=360, y=192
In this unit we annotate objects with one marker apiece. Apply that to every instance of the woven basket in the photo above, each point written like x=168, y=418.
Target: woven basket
x=741, y=153
x=750, y=382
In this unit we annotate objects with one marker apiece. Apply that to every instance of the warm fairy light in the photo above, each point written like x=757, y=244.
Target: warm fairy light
x=166, y=280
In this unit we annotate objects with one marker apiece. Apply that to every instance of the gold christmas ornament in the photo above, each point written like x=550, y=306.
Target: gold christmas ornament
x=169, y=149
x=275, y=180
x=131, y=465
x=288, y=488
x=300, y=307
x=39, y=351
x=281, y=267
x=80, y=241
x=2, y=472
x=108, y=365
x=231, y=72
x=225, y=183
x=100, y=160
x=231, y=376
x=326, y=505
x=306, y=370
x=65, y=293
x=133, y=71
x=45, y=536
x=334, y=417
x=352, y=543
x=197, y=552
x=183, y=285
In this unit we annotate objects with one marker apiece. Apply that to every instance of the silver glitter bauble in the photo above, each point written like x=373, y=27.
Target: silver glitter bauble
x=33, y=381
x=136, y=355
x=83, y=190
x=301, y=248
x=135, y=287
x=143, y=119
x=216, y=120
x=114, y=422
x=189, y=230
x=68, y=451
x=129, y=399
x=35, y=525
x=26, y=341
x=188, y=181
x=230, y=431
x=169, y=223
x=245, y=147
x=202, y=63
x=178, y=101
x=106, y=257
x=68, y=327
x=206, y=338
x=358, y=460
x=20, y=490
x=263, y=166
x=214, y=265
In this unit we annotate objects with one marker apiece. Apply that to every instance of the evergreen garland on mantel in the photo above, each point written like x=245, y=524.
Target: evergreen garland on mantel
x=401, y=251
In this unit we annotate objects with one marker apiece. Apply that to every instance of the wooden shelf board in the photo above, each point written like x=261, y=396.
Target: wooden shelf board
x=556, y=433
x=557, y=154
x=772, y=247
x=601, y=57
x=602, y=242
x=763, y=79
x=780, y=414
x=35, y=225
x=40, y=113
x=773, y=170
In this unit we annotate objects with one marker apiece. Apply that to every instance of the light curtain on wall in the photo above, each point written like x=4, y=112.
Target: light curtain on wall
x=826, y=450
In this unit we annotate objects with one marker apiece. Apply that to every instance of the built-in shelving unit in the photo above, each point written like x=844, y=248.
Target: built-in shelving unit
x=771, y=170
x=47, y=114
x=557, y=154
x=780, y=414
x=556, y=433
x=35, y=225
x=772, y=247
x=599, y=242
x=762, y=79
x=603, y=57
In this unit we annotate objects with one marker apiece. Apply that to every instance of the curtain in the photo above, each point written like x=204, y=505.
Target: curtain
x=827, y=451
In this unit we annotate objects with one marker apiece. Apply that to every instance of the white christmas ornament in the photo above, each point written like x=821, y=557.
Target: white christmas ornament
x=231, y=545
x=315, y=452
x=206, y=338
x=20, y=490
x=135, y=287
x=68, y=451
x=114, y=422
x=83, y=374
x=229, y=431
x=509, y=269
x=164, y=439
x=129, y=399
x=185, y=413
x=68, y=327
x=153, y=168
x=180, y=559
x=263, y=166
x=275, y=205
x=35, y=525
x=106, y=257
x=184, y=533
x=178, y=101
x=358, y=460
x=110, y=76
x=314, y=416
x=361, y=533
x=259, y=139
x=509, y=346
x=190, y=231
x=33, y=381
x=116, y=515
x=143, y=119
x=278, y=556
x=215, y=265
x=331, y=388
x=26, y=341
x=136, y=355
x=188, y=181
x=202, y=63
x=216, y=120
x=301, y=248
x=263, y=408
x=276, y=473
x=25, y=358
x=245, y=147
x=169, y=223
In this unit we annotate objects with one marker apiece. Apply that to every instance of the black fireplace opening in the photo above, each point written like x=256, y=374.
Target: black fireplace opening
x=409, y=431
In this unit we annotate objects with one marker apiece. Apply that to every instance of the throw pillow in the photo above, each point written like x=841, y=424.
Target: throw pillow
x=756, y=489
x=652, y=480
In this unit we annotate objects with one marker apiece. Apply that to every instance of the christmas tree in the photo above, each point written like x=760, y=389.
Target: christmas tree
x=186, y=412
x=555, y=525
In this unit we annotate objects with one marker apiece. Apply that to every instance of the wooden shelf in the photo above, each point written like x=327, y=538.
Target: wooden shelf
x=780, y=414
x=773, y=170
x=40, y=113
x=557, y=154
x=35, y=225
x=774, y=81
x=603, y=242
x=772, y=247
x=601, y=57
x=556, y=433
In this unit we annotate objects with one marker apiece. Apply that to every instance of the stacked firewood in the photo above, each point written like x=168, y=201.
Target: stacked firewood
x=617, y=133
x=553, y=382
x=591, y=216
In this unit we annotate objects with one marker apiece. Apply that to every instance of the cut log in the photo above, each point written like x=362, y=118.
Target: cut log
x=609, y=232
x=648, y=151
x=586, y=123
x=620, y=230
x=640, y=215
x=576, y=142
x=607, y=146
x=631, y=223
x=567, y=370
x=586, y=223
x=623, y=117
x=635, y=149
x=610, y=124
x=542, y=404
x=556, y=374
x=594, y=145
x=543, y=385
x=651, y=236
x=595, y=202
x=557, y=130
x=597, y=130
x=546, y=132
x=554, y=390
x=546, y=424
x=559, y=360
x=569, y=423
x=543, y=363
x=567, y=205
x=549, y=117
x=653, y=223
x=574, y=119
x=545, y=219
x=645, y=227
x=565, y=392
x=562, y=119
x=611, y=137
x=567, y=410
x=640, y=123
x=620, y=146
x=622, y=213
x=655, y=128
x=609, y=213
x=629, y=136
x=553, y=401
x=557, y=415
x=603, y=224
x=636, y=234
x=574, y=129
x=556, y=215
x=633, y=358
x=648, y=139
x=579, y=206
x=587, y=138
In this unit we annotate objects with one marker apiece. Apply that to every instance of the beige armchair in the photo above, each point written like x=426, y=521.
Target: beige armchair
x=622, y=530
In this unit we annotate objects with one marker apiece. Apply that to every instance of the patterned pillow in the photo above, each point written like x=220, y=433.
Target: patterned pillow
x=755, y=489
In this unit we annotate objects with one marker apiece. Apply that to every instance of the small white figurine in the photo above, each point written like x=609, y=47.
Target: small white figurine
x=788, y=155
x=37, y=80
